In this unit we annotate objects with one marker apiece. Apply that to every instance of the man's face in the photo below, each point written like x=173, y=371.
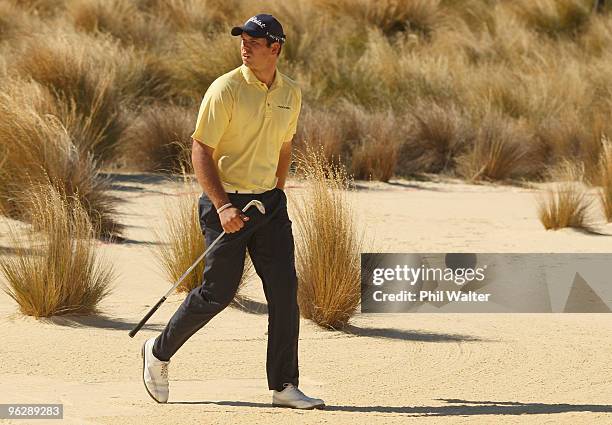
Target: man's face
x=255, y=51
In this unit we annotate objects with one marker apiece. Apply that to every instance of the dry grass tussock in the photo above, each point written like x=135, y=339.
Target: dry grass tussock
x=193, y=70
x=57, y=269
x=120, y=19
x=322, y=129
x=567, y=203
x=14, y=22
x=200, y=15
x=183, y=242
x=383, y=73
x=81, y=73
x=555, y=18
x=605, y=178
x=375, y=139
x=543, y=66
x=328, y=245
x=391, y=16
x=435, y=135
x=158, y=139
x=597, y=37
x=499, y=150
x=558, y=139
x=367, y=142
x=37, y=150
x=43, y=8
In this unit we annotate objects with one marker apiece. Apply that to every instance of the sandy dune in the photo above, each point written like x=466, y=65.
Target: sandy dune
x=390, y=368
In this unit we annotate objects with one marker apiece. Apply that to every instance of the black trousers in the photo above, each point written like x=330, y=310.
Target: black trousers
x=269, y=240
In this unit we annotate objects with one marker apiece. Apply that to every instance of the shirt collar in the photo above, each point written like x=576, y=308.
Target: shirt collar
x=250, y=77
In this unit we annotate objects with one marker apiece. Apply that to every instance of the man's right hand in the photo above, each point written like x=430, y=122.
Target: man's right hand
x=232, y=219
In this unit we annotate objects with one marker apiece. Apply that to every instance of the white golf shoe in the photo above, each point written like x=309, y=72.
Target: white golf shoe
x=154, y=373
x=292, y=397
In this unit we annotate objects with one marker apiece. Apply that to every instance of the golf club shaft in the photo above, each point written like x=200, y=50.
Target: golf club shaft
x=147, y=316
x=193, y=266
x=134, y=331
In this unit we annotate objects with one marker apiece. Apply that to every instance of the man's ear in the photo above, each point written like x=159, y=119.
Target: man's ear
x=276, y=48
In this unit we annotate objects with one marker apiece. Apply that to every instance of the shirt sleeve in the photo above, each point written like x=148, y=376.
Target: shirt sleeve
x=214, y=115
x=294, y=119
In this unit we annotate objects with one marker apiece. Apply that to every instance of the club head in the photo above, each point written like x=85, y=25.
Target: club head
x=257, y=204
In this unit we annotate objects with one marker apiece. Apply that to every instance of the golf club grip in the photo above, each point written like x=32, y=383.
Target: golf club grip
x=144, y=319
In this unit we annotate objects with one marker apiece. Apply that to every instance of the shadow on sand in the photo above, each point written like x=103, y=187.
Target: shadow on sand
x=459, y=408
x=408, y=335
x=142, y=178
x=120, y=240
x=249, y=305
x=102, y=322
x=403, y=185
x=129, y=182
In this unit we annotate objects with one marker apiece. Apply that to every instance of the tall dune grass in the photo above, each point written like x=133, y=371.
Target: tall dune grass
x=376, y=147
x=328, y=245
x=79, y=73
x=183, y=242
x=596, y=36
x=542, y=66
x=45, y=8
x=37, y=150
x=323, y=129
x=500, y=148
x=435, y=136
x=567, y=203
x=158, y=139
x=391, y=16
x=199, y=15
x=605, y=178
x=569, y=138
x=555, y=17
x=348, y=135
x=14, y=22
x=56, y=270
x=306, y=26
x=379, y=73
x=193, y=70
x=120, y=19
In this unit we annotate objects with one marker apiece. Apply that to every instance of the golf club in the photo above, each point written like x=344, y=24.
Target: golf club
x=134, y=331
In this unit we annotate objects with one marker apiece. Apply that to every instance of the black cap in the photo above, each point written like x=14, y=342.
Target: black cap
x=262, y=25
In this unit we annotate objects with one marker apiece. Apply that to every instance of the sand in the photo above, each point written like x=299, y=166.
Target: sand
x=388, y=369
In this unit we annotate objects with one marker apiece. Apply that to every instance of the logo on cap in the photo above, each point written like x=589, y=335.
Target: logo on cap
x=268, y=27
x=257, y=21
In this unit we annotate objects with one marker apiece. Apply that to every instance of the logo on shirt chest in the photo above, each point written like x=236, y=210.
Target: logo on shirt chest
x=284, y=106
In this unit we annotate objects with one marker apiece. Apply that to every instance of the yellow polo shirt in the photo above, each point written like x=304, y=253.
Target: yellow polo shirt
x=246, y=124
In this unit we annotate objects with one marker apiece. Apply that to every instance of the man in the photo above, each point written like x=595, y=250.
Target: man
x=242, y=151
